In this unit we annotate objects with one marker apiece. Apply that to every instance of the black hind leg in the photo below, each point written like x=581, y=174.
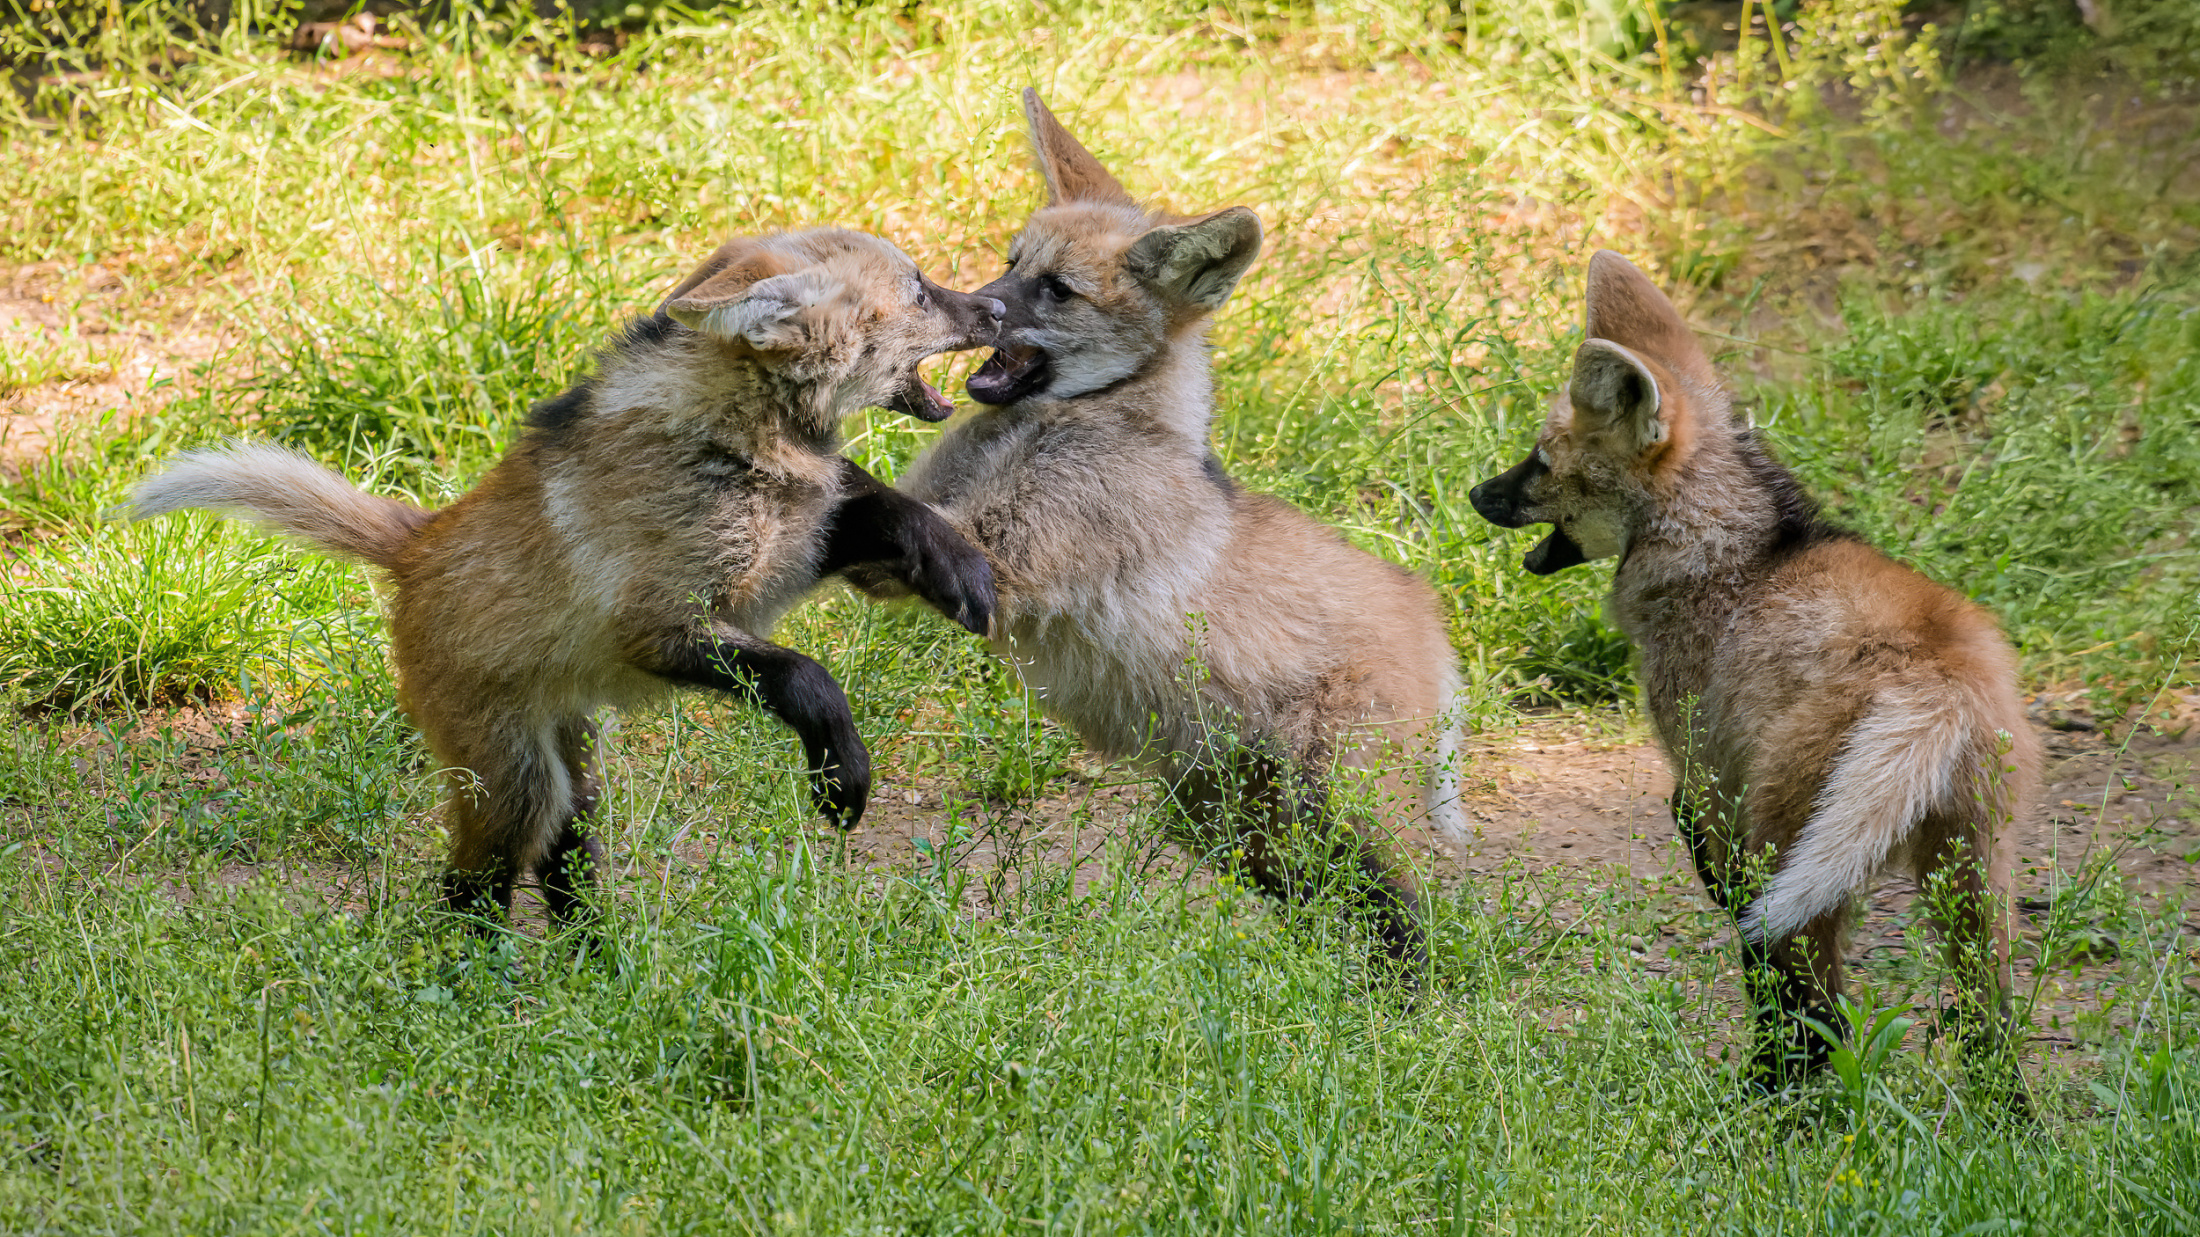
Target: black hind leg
x=483, y=890
x=1792, y=985
x=1708, y=852
x=1385, y=904
x=572, y=866
x=1305, y=848
x=1393, y=909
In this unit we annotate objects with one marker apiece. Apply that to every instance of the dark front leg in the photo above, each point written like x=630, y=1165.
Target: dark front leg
x=792, y=688
x=887, y=535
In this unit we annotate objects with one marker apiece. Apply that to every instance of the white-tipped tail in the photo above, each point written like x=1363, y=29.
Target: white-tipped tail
x=286, y=491
x=1446, y=817
x=1899, y=763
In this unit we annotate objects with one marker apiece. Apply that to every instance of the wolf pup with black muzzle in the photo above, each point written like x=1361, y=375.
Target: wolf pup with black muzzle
x=1218, y=638
x=1827, y=712
x=649, y=529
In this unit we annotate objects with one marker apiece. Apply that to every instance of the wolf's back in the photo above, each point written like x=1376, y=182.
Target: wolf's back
x=286, y=491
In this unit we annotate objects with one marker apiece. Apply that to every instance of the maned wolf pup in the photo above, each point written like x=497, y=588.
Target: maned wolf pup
x=1827, y=711
x=1124, y=553
x=649, y=529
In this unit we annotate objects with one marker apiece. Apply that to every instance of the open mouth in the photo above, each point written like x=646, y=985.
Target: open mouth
x=920, y=399
x=1010, y=374
x=1556, y=552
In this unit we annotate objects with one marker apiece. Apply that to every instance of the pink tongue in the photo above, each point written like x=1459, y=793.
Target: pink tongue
x=939, y=401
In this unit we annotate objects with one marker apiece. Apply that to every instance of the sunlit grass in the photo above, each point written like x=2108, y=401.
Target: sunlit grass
x=1965, y=315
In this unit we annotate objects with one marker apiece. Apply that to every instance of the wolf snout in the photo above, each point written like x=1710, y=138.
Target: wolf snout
x=1501, y=498
x=976, y=316
x=1492, y=503
x=989, y=312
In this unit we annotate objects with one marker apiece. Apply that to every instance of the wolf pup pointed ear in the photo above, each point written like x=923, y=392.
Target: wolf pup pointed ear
x=1072, y=174
x=1629, y=310
x=767, y=314
x=1614, y=390
x=1197, y=264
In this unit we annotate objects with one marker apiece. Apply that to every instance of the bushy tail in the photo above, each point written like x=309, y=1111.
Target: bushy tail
x=1900, y=762
x=287, y=491
x=1447, y=816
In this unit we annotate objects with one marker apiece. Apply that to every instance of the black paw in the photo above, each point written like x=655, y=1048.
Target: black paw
x=1789, y=1056
x=955, y=577
x=840, y=782
x=483, y=899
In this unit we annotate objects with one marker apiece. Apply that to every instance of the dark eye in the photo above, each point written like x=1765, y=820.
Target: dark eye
x=1054, y=289
x=924, y=298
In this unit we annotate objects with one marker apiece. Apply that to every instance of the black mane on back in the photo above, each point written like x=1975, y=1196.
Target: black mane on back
x=644, y=331
x=562, y=412
x=1797, y=522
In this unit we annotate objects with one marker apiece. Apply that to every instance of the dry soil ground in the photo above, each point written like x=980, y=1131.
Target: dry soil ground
x=1572, y=817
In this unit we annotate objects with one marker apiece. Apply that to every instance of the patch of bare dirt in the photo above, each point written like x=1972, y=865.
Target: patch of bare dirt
x=1562, y=798
x=67, y=364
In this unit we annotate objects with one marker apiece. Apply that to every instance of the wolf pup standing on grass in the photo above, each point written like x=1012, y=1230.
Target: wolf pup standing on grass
x=1827, y=711
x=650, y=528
x=1125, y=555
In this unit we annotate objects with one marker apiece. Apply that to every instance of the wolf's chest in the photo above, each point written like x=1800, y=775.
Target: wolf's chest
x=752, y=549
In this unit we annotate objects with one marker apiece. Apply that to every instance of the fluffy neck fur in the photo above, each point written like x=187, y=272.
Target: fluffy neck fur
x=663, y=380
x=1743, y=508
x=1718, y=524
x=1174, y=390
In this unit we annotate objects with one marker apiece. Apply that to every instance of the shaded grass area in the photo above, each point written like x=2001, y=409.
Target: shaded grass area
x=1966, y=314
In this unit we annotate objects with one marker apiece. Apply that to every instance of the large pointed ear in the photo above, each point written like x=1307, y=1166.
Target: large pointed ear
x=1197, y=263
x=733, y=265
x=1072, y=174
x=1615, y=392
x=1626, y=308
x=769, y=315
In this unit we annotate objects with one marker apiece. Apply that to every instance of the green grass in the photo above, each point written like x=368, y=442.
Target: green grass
x=1963, y=303
x=157, y=613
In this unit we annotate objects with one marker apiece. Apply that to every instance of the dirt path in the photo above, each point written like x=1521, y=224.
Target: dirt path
x=72, y=367
x=1575, y=819
x=1562, y=799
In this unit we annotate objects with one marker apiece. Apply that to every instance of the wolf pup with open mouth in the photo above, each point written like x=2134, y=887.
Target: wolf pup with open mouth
x=1820, y=703
x=650, y=528
x=1126, y=556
